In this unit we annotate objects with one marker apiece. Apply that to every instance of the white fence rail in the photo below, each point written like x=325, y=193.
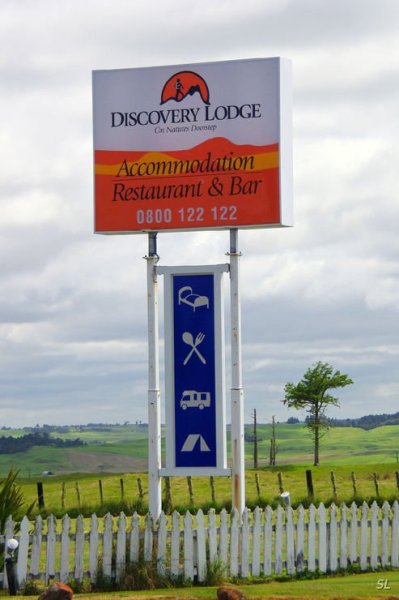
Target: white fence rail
x=263, y=542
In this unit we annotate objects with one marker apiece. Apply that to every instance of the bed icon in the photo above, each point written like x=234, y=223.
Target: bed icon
x=187, y=296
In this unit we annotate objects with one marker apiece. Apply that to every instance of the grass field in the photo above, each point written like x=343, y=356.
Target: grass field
x=85, y=489
x=123, y=448
x=384, y=584
x=120, y=452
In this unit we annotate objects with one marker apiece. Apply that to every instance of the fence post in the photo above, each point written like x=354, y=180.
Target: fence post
x=63, y=495
x=322, y=539
x=140, y=487
x=36, y=549
x=107, y=546
x=353, y=477
x=50, y=549
x=161, y=543
x=212, y=484
x=309, y=484
x=168, y=495
x=395, y=536
x=100, y=487
x=334, y=485
x=332, y=563
x=300, y=539
x=256, y=537
x=190, y=489
x=364, y=537
x=79, y=548
x=385, y=534
x=65, y=548
x=175, y=545
x=23, y=549
x=212, y=536
x=312, y=538
x=201, y=547
x=257, y=485
x=40, y=494
x=377, y=491
x=280, y=482
x=188, y=545
x=77, y=493
x=93, y=548
x=278, y=544
x=374, y=536
x=120, y=547
x=343, y=530
x=134, y=541
x=148, y=538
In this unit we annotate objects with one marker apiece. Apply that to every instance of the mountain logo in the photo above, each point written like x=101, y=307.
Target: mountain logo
x=183, y=84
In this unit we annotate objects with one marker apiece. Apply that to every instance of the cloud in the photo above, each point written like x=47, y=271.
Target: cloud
x=73, y=304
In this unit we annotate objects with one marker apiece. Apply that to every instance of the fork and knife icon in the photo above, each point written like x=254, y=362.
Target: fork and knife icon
x=189, y=340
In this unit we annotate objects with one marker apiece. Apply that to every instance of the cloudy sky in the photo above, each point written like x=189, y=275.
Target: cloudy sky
x=73, y=304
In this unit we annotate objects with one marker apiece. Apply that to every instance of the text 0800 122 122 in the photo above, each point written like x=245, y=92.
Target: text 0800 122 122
x=188, y=214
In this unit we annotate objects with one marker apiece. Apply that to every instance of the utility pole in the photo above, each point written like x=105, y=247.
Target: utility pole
x=255, y=441
x=273, y=445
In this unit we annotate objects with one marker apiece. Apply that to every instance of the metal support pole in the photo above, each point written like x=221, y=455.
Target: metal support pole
x=237, y=394
x=154, y=395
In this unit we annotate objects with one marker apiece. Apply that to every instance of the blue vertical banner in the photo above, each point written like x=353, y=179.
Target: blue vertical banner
x=194, y=370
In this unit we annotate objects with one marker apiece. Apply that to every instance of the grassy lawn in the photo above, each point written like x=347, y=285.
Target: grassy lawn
x=86, y=487
x=369, y=585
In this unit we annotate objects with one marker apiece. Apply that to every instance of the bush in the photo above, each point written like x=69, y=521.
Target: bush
x=11, y=498
x=216, y=573
x=11, y=501
x=32, y=587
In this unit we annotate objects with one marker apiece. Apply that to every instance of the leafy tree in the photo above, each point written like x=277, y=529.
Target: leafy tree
x=311, y=394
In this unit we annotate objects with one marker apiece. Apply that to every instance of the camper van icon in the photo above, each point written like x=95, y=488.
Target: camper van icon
x=194, y=399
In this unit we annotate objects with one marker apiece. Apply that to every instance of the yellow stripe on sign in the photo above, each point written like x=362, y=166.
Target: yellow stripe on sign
x=269, y=160
x=262, y=162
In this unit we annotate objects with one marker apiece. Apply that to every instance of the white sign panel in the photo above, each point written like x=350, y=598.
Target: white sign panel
x=194, y=146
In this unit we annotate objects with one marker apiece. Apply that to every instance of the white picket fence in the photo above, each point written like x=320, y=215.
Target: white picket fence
x=263, y=542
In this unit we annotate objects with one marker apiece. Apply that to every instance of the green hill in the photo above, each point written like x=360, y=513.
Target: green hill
x=123, y=448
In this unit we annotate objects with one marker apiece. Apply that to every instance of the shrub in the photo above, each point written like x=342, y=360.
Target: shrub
x=216, y=573
x=11, y=501
x=11, y=498
x=32, y=587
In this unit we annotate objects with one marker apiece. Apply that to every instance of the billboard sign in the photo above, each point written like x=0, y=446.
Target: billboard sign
x=198, y=146
x=194, y=361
